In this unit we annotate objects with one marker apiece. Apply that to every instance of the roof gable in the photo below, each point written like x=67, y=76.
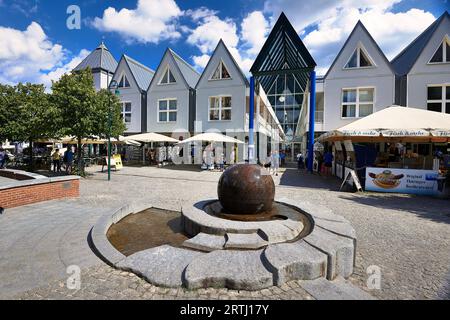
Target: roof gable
x=101, y=58
x=358, y=27
x=187, y=72
x=283, y=52
x=141, y=74
x=219, y=56
x=123, y=69
x=406, y=59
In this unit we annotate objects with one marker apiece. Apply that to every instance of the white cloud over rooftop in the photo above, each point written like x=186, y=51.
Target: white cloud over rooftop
x=29, y=55
x=151, y=21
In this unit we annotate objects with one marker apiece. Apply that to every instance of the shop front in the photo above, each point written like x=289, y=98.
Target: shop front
x=397, y=157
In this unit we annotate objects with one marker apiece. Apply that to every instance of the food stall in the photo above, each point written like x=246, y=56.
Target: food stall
x=398, y=149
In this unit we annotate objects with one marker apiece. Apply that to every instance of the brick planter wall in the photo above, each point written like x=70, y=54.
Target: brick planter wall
x=20, y=193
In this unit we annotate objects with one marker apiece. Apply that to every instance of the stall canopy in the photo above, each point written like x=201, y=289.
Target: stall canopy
x=151, y=137
x=212, y=137
x=395, y=122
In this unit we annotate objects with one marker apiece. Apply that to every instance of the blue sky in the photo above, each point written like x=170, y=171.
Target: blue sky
x=37, y=46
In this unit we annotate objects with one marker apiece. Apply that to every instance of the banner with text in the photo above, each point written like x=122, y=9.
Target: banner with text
x=422, y=182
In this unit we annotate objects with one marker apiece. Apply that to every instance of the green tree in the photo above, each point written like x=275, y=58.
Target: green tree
x=109, y=104
x=28, y=114
x=8, y=99
x=84, y=111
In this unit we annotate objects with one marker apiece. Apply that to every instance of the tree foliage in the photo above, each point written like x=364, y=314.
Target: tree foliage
x=74, y=108
x=84, y=111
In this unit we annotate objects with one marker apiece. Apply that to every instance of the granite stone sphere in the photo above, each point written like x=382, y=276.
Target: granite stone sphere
x=246, y=189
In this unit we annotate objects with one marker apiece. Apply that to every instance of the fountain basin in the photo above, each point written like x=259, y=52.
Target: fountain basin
x=203, y=217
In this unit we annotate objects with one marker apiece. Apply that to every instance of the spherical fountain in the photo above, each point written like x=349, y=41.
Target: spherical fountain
x=246, y=189
x=247, y=239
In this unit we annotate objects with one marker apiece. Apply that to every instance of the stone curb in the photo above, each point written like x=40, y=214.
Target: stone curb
x=37, y=181
x=195, y=221
x=328, y=251
x=98, y=233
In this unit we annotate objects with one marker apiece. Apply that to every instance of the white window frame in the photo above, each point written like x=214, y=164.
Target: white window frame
x=168, y=80
x=358, y=49
x=221, y=76
x=444, y=99
x=445, y=40
x=357, y=103
x=124, y=112
x=120, y=80
x=168, y=111
x=220, y=108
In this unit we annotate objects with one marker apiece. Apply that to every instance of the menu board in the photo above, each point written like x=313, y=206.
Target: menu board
x=348, y=146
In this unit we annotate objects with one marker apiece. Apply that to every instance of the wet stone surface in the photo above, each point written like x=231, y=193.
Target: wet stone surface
x=148, y=229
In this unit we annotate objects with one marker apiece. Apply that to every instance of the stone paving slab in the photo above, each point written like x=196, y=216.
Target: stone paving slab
x=292, y=261
x=39, y=241
x=322, y=289
x=205, y=242
x=340, y=252
x=341, y=228
x=161, y=266
x=238, y=270
x=244, y=241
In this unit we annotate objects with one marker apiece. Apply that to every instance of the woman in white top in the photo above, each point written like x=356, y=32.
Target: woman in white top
x=275, y=162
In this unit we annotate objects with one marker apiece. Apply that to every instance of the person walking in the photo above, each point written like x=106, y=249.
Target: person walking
x=232, y=156
x=300, y=161
x=2, y=158
x=275, y=162
x=328, y=162
x=283, y=158
x=68, y=160
x=56, y=157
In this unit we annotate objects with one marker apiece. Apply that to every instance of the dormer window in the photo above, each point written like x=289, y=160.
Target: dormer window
x=442, y=54
x=124, y=83
x=359, y=59
x=168, y=77
x=221, y=72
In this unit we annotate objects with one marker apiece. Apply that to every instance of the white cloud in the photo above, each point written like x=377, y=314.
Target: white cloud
x=200, y=13
x=29, y=56
x=201, y=61
x=30, y=45
x=55, y=74
x=243, y=44
x=255, y=29
x=151, y=22
x=332, y=23
x=210, y=30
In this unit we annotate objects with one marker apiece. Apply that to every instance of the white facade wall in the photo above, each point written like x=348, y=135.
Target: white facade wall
x=380, y=77
x=101, y=80
x=423, y=74
x=131, y=94
x=179, y=91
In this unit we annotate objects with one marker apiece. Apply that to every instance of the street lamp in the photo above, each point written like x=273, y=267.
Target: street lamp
x=112, y=86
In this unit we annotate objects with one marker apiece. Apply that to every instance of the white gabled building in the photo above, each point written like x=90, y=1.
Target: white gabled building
x=423, y=69
x=171, y=97
x=222, y=103
x=359, y=82
x=362, y=81
x=133, y=79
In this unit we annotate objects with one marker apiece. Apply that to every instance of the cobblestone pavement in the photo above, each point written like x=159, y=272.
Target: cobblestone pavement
x=104, y=282
x=407, y=237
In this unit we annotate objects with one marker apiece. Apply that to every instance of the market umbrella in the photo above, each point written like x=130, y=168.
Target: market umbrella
x=212, y=137
x=129, y=142
x=150, y=137
x=395, y=122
